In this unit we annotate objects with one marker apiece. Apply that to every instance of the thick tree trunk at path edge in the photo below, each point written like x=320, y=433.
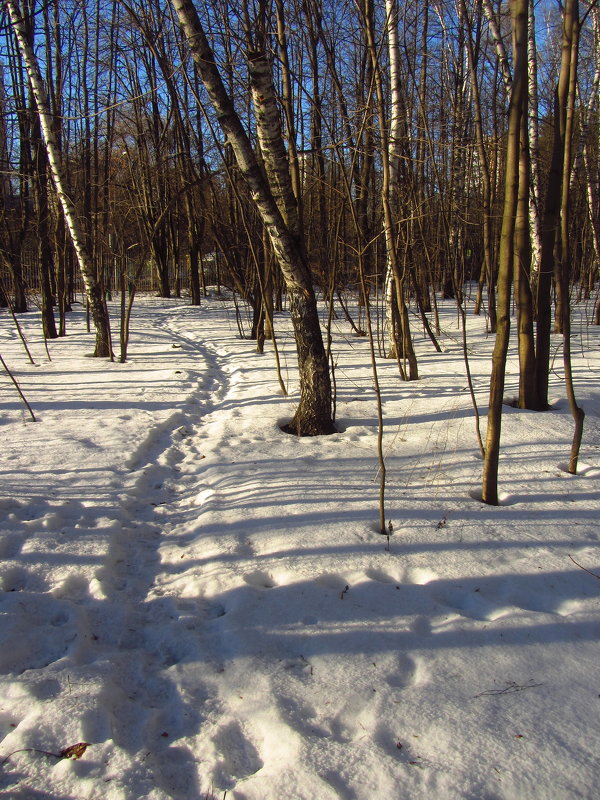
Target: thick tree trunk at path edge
x=313, y=416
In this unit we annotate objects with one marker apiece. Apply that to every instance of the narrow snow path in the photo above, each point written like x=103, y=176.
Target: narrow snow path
x=138, y=702
x=102, y=628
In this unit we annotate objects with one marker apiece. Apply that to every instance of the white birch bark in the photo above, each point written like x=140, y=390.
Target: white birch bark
x=587, y=131
x=500, y=46
x=391, y=137
x=314, y=413
x=535, y=214
x=393, y=145
x=270, y=138
x=88, y=273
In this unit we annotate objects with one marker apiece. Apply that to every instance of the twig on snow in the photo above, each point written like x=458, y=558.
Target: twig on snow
x=510, y=688
x=593, y=574
x=18, y=388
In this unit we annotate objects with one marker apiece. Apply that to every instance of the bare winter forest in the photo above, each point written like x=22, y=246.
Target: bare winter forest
x=384, y=151
x=369, y=224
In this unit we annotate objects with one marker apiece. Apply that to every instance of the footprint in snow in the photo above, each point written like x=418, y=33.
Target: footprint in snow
x=380, y=576
x=13, y=579
x=10, y=545
x=171, y=457
x=260, y=580
x=339, y=785
x=41, y=629
x=407, y=671
x=332, y=580
x=142, y=704
x=240, y=758
x=245, y=548
x=470, y=604
x=200, y=610
x=404, y=674
x=356, y=715
x=176, y=772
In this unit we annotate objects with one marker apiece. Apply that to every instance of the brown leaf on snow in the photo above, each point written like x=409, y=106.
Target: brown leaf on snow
x=75, y=750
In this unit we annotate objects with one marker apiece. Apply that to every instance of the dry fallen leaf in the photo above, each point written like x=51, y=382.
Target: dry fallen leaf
x=75, y=750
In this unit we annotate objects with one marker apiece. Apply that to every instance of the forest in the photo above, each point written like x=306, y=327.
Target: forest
x=299, y=337
x=383, y=151
x=303, y=149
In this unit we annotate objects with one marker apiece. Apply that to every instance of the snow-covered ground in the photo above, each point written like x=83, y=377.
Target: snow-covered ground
x=207, y=601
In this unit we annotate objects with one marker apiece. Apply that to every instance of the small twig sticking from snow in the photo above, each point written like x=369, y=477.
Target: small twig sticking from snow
x=510, y=688
x=308, y=664
x=18, y=388
x=343, y=592
x=593, y=574
x=441, y=523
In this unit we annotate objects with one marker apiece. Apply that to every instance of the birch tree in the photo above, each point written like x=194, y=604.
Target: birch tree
x=390, y=157
x=92, y=285
x=314, y=413
x=16, y=209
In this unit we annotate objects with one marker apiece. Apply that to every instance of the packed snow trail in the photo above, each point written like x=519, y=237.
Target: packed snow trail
x=207, y=602
x=101, y=627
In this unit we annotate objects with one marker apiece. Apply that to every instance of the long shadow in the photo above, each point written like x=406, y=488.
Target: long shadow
x=325, y=617
x=373, y=546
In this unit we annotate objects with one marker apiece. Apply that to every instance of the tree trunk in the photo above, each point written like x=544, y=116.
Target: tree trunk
x=390, y=156
x=314, y=413
x=93, y=290
x=522, y=273
x=570, y=43
x=486, y=182
x=535, y=218
x=551, y=233
x=44, y=246
x=518, y=10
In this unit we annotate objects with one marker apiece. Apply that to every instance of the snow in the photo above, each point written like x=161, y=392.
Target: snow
x=207, y=601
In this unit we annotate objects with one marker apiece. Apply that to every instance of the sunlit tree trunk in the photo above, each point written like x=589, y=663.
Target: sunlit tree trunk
x=499, y=44
x=92, y=286
x=518, y=9
x=551, y=231
x=571, y=45
x=55, y=74
x=535, y=211
x=389, y=162
x=590, y=146
x=314, y=413
x=287, y=101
